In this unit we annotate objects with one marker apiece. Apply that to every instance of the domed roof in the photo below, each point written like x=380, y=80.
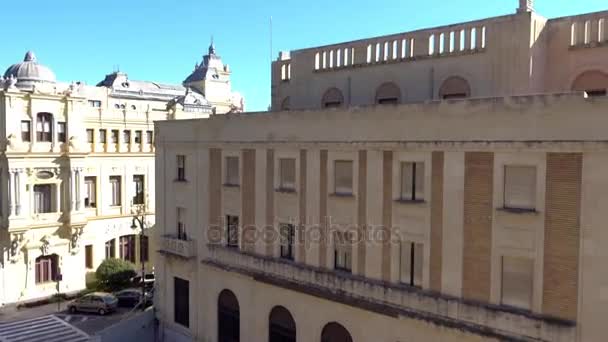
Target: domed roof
x=30, y=72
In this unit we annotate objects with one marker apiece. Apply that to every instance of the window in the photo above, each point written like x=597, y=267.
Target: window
x=517, y=280
x=116, y=198
x=61, y=132
x=411, y=255
x=102, y=136
x=46, y=268
x=287, y=173
x=181, y=300
x=127, y=248
x=149, y=135
x=88, y=256
x=144, y=247
x=287, y=238
x=43, y=198
x=90, y=133
x=412, y=181
x=138, y=180
x=43, y=127
x=114, y=136
x=342, y=251
x=138, y=137
x=126, y=136
x=95, y=103
x=232, y=171
x=111, y=249
x=181, y=226
x=26, y=132
x=90, y=195
x=181, y=167
x=232, y=231
x=520, y=187
x=343, y=177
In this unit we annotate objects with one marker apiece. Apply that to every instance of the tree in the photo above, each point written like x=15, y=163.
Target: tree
x=115, y=274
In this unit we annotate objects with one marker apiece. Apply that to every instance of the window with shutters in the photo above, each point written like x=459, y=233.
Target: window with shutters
x=287, y=239
x=90, y=186
x=517, y=282
x=44, y=123
x=412, y=181
x=411, y=257
x=26, y=134
x=232, y=231
x=342, y=251
x=138, y=181
x=520, y=187
x=343, y=177
x=111, y=249
x=232, y=171
x=114, y=136
x=88, y=256
x=61, y=131
x=287, y=173
x=90, y=133
x=102, y=136
x=116, y=191
x=181, y=224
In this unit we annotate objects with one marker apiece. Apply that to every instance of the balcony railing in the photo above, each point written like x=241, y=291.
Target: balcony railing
x=395, y=300
x=178, y=247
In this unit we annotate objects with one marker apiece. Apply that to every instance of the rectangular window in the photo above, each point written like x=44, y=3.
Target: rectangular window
x=149, y=135
x=43, y=196
x=111, y=249
x=181, y=300
x=90, y=187
x=26, y=131
x=46, y=269
x=44, y=122
x=116, y=191
x=127, y=248
x=287, y=172
x=520, y=187
x=232, y=231
x=90, y=133
x=411, y=255
x=114, y=136
x=102, y=136
x=144, y=247
x=412, y=181
x=95, y=103
x=138, y=181
x=343, y=177
x=138, y=137
x=126, y=137
x=517, y=282
x=88, y=256
x=287, y=241
x=232, y=171
x=181, y=225
x=61, y=132
x=342, y=251
x=181, y=167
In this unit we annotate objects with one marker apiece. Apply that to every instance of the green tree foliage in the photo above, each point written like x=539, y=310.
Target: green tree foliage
x=114, y=274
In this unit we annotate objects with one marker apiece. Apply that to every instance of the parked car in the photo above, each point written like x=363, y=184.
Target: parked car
x=148, y=280
x=98, y=302
x=132, y=297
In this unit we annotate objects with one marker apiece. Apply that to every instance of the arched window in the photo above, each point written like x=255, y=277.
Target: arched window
x=432, y=45
x=592, y=82
x=334, y=332
x=228, y=317
x=454, y=88
x=44, y=127
x=369, y=53
x=285, y=105
x=332, y=98
x=282, y=327
x=46, y=268
x=317, y=61
x=388, y=93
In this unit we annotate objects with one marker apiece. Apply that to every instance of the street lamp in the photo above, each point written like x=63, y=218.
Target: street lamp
x=139, y=219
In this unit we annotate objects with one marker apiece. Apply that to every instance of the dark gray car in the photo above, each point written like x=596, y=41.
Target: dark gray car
x=97, y=302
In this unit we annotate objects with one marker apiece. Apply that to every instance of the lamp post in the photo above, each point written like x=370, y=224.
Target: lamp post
x=139, y=219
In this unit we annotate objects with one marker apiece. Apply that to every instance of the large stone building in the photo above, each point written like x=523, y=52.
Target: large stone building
x=477, y=219
x=77, y=162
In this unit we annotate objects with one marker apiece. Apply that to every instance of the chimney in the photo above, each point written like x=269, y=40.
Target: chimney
x=525, y=6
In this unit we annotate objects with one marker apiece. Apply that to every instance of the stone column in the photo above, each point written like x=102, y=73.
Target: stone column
x=78, y=187
x=11, y=192
x=72, y=189
x=18, y=191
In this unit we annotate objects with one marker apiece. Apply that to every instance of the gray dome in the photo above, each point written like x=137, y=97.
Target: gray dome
x=29, y=72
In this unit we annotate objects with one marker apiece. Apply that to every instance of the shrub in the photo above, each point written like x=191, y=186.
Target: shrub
x=114, y=274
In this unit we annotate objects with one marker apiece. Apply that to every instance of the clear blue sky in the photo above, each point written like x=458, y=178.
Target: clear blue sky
x=161, y=40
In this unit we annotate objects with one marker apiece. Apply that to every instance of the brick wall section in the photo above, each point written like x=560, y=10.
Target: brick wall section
x=362, y=211
x=436, y=220
x=387, y=212
x=478, y=208
x=323, y=208
x=562, y=234
x=215, y=190
x=248, y=201
x=269, y=199
x=302, y=209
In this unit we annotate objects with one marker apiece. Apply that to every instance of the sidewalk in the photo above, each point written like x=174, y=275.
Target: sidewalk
x=10, y=312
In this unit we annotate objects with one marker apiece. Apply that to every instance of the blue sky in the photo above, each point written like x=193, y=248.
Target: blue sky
x=161, y=40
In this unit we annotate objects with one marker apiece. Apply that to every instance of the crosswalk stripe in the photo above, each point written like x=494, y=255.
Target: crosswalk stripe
x=42, y=329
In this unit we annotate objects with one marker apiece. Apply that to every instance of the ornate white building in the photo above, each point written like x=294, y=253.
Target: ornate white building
x=76, y=161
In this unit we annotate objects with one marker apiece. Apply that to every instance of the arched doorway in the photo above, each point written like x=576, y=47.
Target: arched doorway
x=334, y=332
x=454, y=88
x=332, y=98
x=593, y=82
x=388, y=93
x=228, y=317
x=282, y=327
